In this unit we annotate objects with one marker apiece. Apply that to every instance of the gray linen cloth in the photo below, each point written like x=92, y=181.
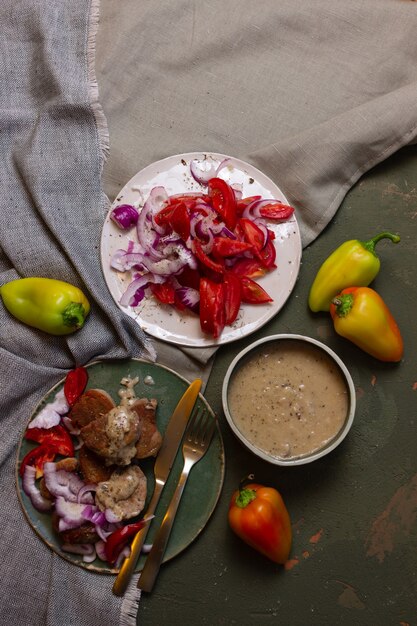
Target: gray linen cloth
x=314, y=94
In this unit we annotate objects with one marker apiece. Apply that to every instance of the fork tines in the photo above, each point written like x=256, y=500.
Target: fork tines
x=201, y=427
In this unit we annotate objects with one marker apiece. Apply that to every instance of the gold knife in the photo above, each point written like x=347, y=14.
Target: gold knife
x=163, y=464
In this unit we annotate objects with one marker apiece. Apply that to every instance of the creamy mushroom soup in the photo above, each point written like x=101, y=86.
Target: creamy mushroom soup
x=289, y=398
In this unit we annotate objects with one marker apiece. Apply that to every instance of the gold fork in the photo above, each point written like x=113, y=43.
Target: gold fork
x=196, y=442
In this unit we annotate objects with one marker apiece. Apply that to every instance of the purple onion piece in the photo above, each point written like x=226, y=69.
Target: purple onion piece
x=189, y=297
x=125, y=216
x=29, y=487
x=65, y=484
x=203, y=170
x=70, y=514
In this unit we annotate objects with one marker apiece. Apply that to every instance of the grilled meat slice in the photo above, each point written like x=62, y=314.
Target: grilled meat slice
x=91, y=405
x=93, y=467
x=150, y=439
x=113, y=436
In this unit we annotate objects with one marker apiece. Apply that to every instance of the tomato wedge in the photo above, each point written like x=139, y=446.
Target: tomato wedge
x=252, y=293
x=267, y=255
x=37, y=457
x=252, y=234
x=223, y=201
x=251, y=268
x=276, y=211
x=75, y=383
x=232, y=297
x=244, y=202
x=164, y=292
x=215, y=267
x=179, y=221
x=57, y=437
x=212, y=313
x=224, y=247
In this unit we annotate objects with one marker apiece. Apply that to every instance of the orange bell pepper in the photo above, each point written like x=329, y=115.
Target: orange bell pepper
x=258, y=515
x=360, y=315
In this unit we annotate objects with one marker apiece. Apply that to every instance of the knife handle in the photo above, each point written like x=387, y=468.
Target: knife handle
x=154, y=559
x=129, y=564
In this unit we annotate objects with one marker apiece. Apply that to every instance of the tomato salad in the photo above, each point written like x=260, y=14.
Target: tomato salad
x=50, y=479
x=200, y=251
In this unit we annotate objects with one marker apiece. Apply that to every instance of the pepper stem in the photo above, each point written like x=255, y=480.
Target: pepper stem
x=370, y=245
x=343, y=304
x=245, y=495
x=74, y=315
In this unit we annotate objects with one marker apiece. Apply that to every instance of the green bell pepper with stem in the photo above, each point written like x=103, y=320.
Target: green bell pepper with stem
x=353, y=264
x=50, y=305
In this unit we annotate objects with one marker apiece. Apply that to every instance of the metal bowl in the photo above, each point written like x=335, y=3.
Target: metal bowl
x=250, y=353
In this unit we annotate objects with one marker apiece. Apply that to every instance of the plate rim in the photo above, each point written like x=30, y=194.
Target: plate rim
x=206, y=341
x=67, y=556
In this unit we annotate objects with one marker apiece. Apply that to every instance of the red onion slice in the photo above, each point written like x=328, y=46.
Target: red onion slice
x=111, y=516
x=65, y=484
x=189, y=297
x=125, y=216
x=29, y=487
x=101, y=549
x=70, y=514
x=69, y=425
x=51, y=413
x=203, y=170
x=88, y=488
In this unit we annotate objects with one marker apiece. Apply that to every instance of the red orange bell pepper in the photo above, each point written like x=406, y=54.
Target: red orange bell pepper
x=360, y=315
x=258, y=515
x=119, y=539
x=75, y=383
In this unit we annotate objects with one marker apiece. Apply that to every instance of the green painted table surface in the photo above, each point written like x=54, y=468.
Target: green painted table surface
x=354, y=513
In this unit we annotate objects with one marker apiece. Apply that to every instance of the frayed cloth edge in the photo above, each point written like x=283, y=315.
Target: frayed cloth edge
x=130, y=604
x=93, y=91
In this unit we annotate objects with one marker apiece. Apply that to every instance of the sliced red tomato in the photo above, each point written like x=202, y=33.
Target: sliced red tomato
x=267, y=255
x=37, y=457
x=212, y=313
x=179, y=221
x=75, y=383
x=189, y=199
x=225, y=247
x=252, y=233
x=189, y=278
x=251, y=268
x=276, y=211
x=223, y=201
x=163, y=216
x=232, y=297
x=57, y=437
x=163, y=292
x=206, y=260
x=244, y=202
x=253, y=293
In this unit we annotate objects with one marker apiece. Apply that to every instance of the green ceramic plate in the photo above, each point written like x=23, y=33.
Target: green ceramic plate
x=205, y=481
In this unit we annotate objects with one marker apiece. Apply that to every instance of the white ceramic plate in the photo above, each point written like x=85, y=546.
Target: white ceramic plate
x=163, y=321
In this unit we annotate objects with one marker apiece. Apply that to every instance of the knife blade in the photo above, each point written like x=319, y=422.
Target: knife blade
x=163, y=464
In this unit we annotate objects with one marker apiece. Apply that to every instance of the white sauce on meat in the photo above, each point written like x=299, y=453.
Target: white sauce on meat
x=124, y=493
x=289, y=400
x=127, y=395
x=120, y=421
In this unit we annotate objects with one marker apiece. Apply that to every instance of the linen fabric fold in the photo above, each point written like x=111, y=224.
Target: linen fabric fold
x=313, y=93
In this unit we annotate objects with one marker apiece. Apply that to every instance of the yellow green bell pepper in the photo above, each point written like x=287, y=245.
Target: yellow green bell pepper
x=354, y=263
x=54, y=306
x=360, y=315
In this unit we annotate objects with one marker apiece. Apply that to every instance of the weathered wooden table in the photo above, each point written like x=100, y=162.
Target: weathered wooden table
x=354, y=513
